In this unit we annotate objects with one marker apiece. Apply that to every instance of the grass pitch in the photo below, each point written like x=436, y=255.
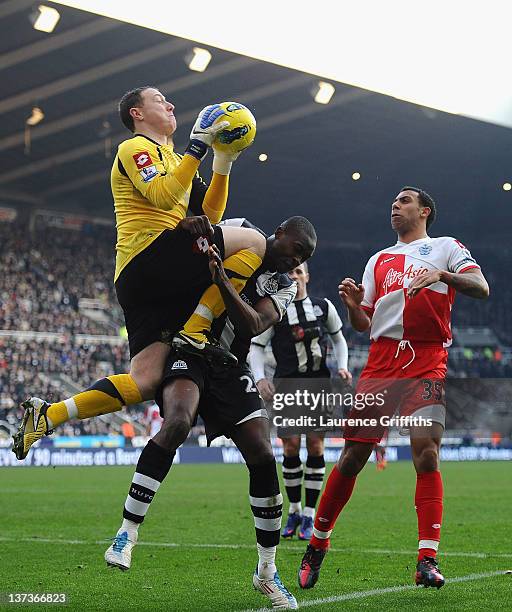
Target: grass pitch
x=197, y=548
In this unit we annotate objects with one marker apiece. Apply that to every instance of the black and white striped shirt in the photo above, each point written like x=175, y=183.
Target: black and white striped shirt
x=299, y=340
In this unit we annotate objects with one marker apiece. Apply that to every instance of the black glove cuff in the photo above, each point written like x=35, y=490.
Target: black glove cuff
x=197, y=149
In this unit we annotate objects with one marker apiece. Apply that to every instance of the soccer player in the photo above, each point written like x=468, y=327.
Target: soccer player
x=152, y=419
x=405, y=300
x=161, y=256
x=229, y=404
x=299, y=344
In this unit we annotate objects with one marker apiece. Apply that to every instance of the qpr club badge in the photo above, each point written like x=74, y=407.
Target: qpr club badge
x=425, y=249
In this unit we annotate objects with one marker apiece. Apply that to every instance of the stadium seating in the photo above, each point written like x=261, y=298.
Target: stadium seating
x=45, y=284
x=43, y=280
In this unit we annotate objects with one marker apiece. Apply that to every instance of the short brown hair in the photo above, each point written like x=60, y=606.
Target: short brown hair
x=128, y=101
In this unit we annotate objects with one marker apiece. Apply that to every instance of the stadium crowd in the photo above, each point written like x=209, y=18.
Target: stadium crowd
x=33, y=367
x=43, y=280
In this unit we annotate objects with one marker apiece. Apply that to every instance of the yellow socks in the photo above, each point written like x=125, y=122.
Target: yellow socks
x=239, y=267
x=106, y=395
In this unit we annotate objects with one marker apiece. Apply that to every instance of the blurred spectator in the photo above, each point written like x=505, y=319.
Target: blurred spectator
x=496, y=439
x=42, y=281
x=128, y=432
x=29, y=367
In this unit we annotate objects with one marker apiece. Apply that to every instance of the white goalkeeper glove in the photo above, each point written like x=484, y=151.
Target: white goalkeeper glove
x=223, y=161
x=204, y=131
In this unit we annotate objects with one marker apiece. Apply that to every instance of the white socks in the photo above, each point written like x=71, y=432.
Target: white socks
x=132, y=529
x=266, y=562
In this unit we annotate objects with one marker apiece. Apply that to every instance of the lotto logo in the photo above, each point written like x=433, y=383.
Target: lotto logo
x=201, y=245
x=142, y=159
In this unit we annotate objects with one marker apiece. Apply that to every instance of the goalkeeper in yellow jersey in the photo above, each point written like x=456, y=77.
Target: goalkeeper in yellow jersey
x=161, y=254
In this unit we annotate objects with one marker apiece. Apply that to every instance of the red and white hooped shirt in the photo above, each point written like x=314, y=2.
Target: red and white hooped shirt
x=425, y=317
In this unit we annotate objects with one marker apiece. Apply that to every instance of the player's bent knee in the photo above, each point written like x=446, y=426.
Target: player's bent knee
x=315, y=446
x=147, y=380
x=427, y=460
x=354, y=459
x=175, y=429
x=147, y=369
x=147, y=383
x=259, y=456
x=350, y=466
x=291, y=446
x=241, y=238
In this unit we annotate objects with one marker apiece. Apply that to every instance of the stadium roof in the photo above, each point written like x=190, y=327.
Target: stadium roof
x=77, y=74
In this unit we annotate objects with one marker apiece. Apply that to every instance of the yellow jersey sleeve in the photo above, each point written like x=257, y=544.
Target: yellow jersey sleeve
x=147, y=197
x=143, y=162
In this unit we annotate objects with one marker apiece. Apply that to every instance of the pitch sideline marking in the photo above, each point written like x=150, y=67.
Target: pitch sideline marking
x=366, y=551
x=383, y=591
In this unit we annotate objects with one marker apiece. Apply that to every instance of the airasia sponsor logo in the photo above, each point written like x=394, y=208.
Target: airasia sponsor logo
x=394, y=277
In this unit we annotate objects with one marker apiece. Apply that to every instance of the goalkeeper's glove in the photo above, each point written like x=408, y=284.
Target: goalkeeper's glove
x=223, y=161
x=204, y=131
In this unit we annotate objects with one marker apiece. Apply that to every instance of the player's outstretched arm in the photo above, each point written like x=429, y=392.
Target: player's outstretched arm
x=202, y=136
x=142, y=164
x=334, y=325
x=352, y=295
x=256, y=359
x=339, y=345
x=249, y=321
x=471, y=283
x=216, y=197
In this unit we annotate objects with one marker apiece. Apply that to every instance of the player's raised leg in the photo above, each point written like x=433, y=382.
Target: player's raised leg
x=338, y=491
x=180, y=401
x=244, y=251
x=425, y=444
x=253, y=440
x=106, y=395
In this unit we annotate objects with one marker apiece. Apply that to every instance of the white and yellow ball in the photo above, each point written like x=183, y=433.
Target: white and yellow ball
x=241, y=131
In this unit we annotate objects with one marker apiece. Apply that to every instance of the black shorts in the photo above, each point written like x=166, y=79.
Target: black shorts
x=160, y=288
x=228, y=395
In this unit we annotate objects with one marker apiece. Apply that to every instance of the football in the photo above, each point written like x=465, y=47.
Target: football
x=241, y=130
